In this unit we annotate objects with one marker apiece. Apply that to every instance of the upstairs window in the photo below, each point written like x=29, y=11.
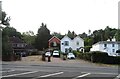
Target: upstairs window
x=77, y=43
x=113, y=45
x=54, y=44
x=66, y=43
x=105, y=45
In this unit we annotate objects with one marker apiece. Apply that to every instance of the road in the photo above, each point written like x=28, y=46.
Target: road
x=69, y=69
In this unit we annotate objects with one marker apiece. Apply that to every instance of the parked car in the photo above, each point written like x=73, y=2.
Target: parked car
x=70, y=56
x=56, y=53
x=47, y=54
x=22, y=54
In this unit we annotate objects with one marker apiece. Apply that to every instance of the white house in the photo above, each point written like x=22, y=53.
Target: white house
x=107, y=46
x=68, y=44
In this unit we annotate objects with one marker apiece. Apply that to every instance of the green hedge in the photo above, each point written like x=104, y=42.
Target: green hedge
x=99, y=57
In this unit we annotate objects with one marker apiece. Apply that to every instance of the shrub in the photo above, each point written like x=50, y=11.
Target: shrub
x=99, y=57
x=76, y=53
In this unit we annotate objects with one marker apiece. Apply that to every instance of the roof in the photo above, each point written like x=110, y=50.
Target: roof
x=108, y=42
x=79, y=37
x=15, y=40
x=54, y=37
x=73, y=38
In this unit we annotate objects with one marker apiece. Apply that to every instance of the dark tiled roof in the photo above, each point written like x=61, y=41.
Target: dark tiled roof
x=16, y=40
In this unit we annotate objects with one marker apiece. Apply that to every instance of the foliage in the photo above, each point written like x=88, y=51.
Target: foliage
x=10, y=32
x=29, y=37
x=99, y=57
x=7, y=32
x=41, y=41
x=58, y=35
x=87, y=48
x=117, y=35
x=5, y=19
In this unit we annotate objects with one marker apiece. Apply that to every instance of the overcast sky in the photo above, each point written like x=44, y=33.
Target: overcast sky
x=62, y=15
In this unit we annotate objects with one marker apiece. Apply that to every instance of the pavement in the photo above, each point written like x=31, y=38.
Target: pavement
x=57, y=69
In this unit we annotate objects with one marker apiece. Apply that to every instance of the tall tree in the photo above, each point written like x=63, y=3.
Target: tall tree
x=41, y=41
x=5, y=19
x=10, y=32
x=117, y=35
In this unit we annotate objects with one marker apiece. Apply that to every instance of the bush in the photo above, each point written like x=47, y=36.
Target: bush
x=99, y=57
x=76, y=53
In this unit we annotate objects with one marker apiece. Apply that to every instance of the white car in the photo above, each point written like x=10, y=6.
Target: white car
x=47, y=54
x=70, y=56
x=56, y=53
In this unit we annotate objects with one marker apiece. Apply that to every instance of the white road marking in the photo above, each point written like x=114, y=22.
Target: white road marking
x=20, y=74
x=82, y=75
x=117, y=77
x=7, y=71
x=49, y=75
x=100, y=73
x=52, y=74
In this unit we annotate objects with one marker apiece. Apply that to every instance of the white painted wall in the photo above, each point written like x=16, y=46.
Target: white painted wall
x=75, y=40
x=63, y=47
x=109, y=49
x=72, y=43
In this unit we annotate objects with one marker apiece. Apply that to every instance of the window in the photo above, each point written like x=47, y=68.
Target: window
x=54, y=44
x=113, y=50
x=66, y=43
x=77, y=43
x=14, y=45
x=113, y=45
x=66, y=50
x=105, y=45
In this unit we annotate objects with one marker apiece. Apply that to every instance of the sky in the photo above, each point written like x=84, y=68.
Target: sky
x=62, y=15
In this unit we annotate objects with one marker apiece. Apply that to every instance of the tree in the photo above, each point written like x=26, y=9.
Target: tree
x=41, y=41
x=58, y=35
x=5, y=19
x=10, y=32
x=6, y=33
x=29, y=37
x=117, y=35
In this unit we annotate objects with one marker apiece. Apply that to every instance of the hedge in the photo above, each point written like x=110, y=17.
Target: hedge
x=99, y=57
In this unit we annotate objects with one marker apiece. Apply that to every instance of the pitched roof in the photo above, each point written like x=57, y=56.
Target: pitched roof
x=54, y=37
x=72, y=38
x=15, y=40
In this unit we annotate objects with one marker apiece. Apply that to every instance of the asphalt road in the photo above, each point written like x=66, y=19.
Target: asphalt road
x=70, y=69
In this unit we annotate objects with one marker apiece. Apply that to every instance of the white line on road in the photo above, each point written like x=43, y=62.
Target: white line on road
x=49, y=75
x=20, y=74
x=52, y=74
x=118, y=77
x=100, y=73
x=82, y=75
x=7, y=71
